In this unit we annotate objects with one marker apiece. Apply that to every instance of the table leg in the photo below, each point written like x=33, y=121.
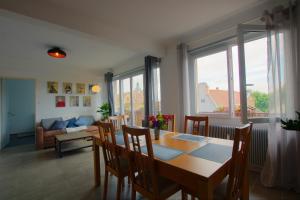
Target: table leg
x=59, y=149
x=96, y=164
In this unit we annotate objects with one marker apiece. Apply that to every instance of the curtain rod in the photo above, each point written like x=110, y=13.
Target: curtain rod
x=129, y=72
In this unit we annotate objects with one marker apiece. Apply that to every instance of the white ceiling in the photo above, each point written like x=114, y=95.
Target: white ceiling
x=118, y=29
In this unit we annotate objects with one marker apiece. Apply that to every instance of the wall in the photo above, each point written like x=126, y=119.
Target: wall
x=20, y=105
x=45, y=103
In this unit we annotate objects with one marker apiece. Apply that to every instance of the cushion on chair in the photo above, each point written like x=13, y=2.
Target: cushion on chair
x=85, y=121
x=47, y=123
x=58, y=125
x=71, y=122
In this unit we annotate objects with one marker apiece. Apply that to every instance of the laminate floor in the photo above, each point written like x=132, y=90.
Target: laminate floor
x=39, y=175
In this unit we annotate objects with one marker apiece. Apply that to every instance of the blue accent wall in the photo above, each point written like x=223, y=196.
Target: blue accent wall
x=20, y=105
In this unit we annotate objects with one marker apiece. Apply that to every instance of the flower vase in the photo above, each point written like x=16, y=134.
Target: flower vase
x=156, y=133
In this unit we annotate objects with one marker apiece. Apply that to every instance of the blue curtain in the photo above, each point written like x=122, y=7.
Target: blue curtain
x=150, y=64
x=108, y=79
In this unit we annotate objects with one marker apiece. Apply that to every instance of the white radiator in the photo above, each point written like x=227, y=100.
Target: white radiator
x=259, y=143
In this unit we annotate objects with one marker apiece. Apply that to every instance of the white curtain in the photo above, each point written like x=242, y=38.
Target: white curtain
x=184, y=65
x=282, y=167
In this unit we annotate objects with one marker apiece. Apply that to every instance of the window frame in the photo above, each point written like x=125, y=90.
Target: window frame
x=237, y=40
x=226, y=46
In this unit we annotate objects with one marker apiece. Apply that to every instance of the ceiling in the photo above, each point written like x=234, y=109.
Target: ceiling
x=101, y=34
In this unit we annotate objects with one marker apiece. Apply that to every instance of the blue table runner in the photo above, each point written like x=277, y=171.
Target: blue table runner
x=162, y=152
x=213, y=152
x=189, y=137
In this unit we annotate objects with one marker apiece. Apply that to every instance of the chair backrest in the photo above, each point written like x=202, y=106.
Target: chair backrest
x=111, y=152
x=170, y=122
x=239, y=161
x=141, y=164
x=118, y=121
x=196, y=120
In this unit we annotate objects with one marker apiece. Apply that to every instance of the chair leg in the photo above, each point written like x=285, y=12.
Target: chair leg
x=120, y=181
x=105, y=185
x=133, y=193
x=183, y=195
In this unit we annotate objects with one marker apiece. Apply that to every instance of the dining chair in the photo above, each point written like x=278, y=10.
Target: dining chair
x=196, y=120
x=115, y=163
x=118, y=121
x=231, y=187
x=145, y=179
x=170, y=122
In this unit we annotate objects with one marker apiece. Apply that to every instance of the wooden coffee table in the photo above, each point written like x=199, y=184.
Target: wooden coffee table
x=72, y=141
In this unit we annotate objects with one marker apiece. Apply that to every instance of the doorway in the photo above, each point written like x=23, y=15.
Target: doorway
x=18, y=112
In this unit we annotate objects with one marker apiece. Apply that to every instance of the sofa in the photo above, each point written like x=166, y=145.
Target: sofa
x=47, y=129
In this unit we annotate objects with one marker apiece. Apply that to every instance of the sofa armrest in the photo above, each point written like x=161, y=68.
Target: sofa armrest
x=39, y=137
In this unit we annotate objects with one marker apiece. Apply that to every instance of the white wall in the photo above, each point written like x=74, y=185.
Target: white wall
x=45, y=103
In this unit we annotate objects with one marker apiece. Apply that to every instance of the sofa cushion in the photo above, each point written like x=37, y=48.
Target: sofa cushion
x=58, y=125
x=47, y=123
x=71, y=123
x=85, y=121
x=76, y=129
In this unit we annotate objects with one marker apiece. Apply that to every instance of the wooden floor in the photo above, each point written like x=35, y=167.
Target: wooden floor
x=39, y=175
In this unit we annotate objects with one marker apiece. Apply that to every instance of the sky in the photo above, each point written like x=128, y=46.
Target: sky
x=212, y=69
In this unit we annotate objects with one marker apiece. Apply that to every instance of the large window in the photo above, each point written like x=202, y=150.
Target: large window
x=225, y=87
x=128, y=92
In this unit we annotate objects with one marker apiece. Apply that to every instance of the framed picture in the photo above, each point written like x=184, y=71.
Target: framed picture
x=52, y=87
x=67, y=88
x=74, y=101
x=87, y=101
x=80, y=88
x=60, y=101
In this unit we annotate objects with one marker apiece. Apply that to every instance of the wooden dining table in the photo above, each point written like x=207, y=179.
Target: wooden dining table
x=199, y=175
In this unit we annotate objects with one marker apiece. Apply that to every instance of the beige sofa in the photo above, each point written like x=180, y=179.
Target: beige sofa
x=45, y=137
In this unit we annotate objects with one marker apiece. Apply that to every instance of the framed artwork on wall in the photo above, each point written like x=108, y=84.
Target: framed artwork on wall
x=52, y=87
x=60, y=101
x=74, y=101
x=67, y=88
x=80, y=88
x=87, y=101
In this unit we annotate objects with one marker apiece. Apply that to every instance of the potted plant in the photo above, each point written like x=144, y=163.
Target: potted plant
x=159, y=122
x=105, y=110
x=291, y=124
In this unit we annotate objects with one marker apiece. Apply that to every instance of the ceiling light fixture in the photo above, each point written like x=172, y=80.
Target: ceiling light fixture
x=56, y=52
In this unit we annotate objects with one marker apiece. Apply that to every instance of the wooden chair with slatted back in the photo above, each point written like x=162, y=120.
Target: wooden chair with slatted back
x=239, y=162
x=144, y=179
x=196, y=120
x=231, y=187
x=115, y=163
x=118, y=121
x=170, y=122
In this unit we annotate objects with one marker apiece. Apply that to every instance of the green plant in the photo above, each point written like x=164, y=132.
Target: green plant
x=105, y=110
x=291, y=124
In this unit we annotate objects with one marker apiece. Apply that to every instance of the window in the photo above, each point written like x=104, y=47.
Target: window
x=212, y=83
x=116, y=96
x=156, y=92
x=128, y=92
x=219, y=88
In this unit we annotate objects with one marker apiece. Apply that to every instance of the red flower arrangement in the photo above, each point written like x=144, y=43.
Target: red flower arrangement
x=160, y=121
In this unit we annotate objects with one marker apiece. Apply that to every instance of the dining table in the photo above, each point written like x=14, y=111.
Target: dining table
x=195, y=162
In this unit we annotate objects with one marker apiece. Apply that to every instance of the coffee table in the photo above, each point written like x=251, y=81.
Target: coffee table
x=72, y=141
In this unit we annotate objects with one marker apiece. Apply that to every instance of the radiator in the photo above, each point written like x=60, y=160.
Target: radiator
x=258, y=147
